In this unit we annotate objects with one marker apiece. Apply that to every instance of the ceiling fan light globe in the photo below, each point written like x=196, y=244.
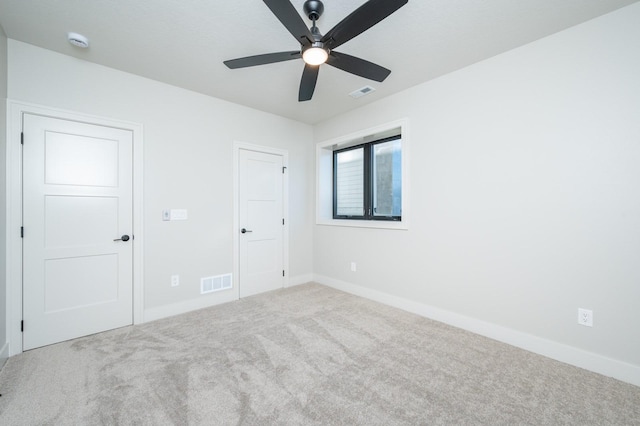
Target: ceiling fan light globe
x=315, y=56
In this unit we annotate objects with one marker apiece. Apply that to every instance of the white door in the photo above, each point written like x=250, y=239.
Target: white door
x=77, y=219
x=261, y=221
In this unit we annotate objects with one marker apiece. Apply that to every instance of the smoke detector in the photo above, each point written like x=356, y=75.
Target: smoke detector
x=78, y=40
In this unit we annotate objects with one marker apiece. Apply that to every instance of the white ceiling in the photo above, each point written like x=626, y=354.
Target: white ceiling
x=183, y=42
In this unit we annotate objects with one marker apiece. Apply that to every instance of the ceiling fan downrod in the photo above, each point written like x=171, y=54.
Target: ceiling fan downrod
x=313, y=9
x=315, y=54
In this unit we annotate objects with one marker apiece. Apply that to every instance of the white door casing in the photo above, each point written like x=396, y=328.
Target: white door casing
x=77, y=207
x=261, y=213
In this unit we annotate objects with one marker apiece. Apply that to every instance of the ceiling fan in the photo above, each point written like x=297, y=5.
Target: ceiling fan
x=316, y=49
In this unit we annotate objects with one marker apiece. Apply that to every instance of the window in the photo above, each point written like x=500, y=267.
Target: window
x=386, y=201
x=367, y=181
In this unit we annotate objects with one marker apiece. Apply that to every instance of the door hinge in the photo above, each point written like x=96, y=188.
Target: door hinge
x=22, y=326
x=283, y=220
x=22, y=232
x=21, y=138
x=283, y=169
x=283, y=272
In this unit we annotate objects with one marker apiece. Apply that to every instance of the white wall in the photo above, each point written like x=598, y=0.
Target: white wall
x=188, y=153
x=525, y=194
x=3, y=234
x=524, y=181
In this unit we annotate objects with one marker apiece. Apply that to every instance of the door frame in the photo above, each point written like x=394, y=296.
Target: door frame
x=15, y=113
x=237, y=146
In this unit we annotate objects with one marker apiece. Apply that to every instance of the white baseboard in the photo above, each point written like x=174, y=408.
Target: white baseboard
x=166, y=311
x=4, y=354
x=568, y=354
x=300, y=279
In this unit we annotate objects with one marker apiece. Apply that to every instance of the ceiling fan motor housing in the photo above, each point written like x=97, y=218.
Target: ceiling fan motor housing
x=313, y=9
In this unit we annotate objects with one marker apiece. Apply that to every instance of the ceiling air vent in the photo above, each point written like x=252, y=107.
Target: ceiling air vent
x=362, y=91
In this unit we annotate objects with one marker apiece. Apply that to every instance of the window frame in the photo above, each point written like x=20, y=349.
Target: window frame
x=368, y=179
x=324, y=173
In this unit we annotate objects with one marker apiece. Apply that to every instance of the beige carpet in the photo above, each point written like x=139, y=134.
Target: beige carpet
x=305, y=355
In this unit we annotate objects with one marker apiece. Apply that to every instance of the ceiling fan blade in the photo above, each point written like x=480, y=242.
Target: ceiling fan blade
x=357, y=66
x=308, y=82
x=287, y=14
x=268, y=58
x=360, y=20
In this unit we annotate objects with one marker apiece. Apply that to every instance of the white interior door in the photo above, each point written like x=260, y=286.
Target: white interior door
x=261, y=217
x=77, y=218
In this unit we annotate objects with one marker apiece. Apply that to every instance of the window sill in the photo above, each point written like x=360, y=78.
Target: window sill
x=375, y=224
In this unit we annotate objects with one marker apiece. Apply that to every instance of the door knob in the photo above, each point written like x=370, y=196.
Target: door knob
x=123, y=238
x=244, y=231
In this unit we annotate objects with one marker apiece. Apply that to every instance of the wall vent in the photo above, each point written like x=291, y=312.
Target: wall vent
x=217, y=283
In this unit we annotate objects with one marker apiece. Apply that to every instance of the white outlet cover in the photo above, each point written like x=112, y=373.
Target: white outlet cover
x=585, y=317
x=175, y=280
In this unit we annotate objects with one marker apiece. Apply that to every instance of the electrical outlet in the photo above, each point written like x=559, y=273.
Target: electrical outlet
x=175, y=280
x=585, y=317
x=353, y=266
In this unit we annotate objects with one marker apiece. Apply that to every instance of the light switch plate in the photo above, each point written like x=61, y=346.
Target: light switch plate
x=179, y=214
x=174, y=214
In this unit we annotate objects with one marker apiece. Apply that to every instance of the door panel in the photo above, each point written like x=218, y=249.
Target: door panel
x=261, y=213
x=80, y=160
x=94, y=221
x=66, y=282
x=77, y=199
x=261, y=257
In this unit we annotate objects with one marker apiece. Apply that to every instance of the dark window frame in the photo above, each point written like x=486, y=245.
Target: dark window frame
x=367, y=181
